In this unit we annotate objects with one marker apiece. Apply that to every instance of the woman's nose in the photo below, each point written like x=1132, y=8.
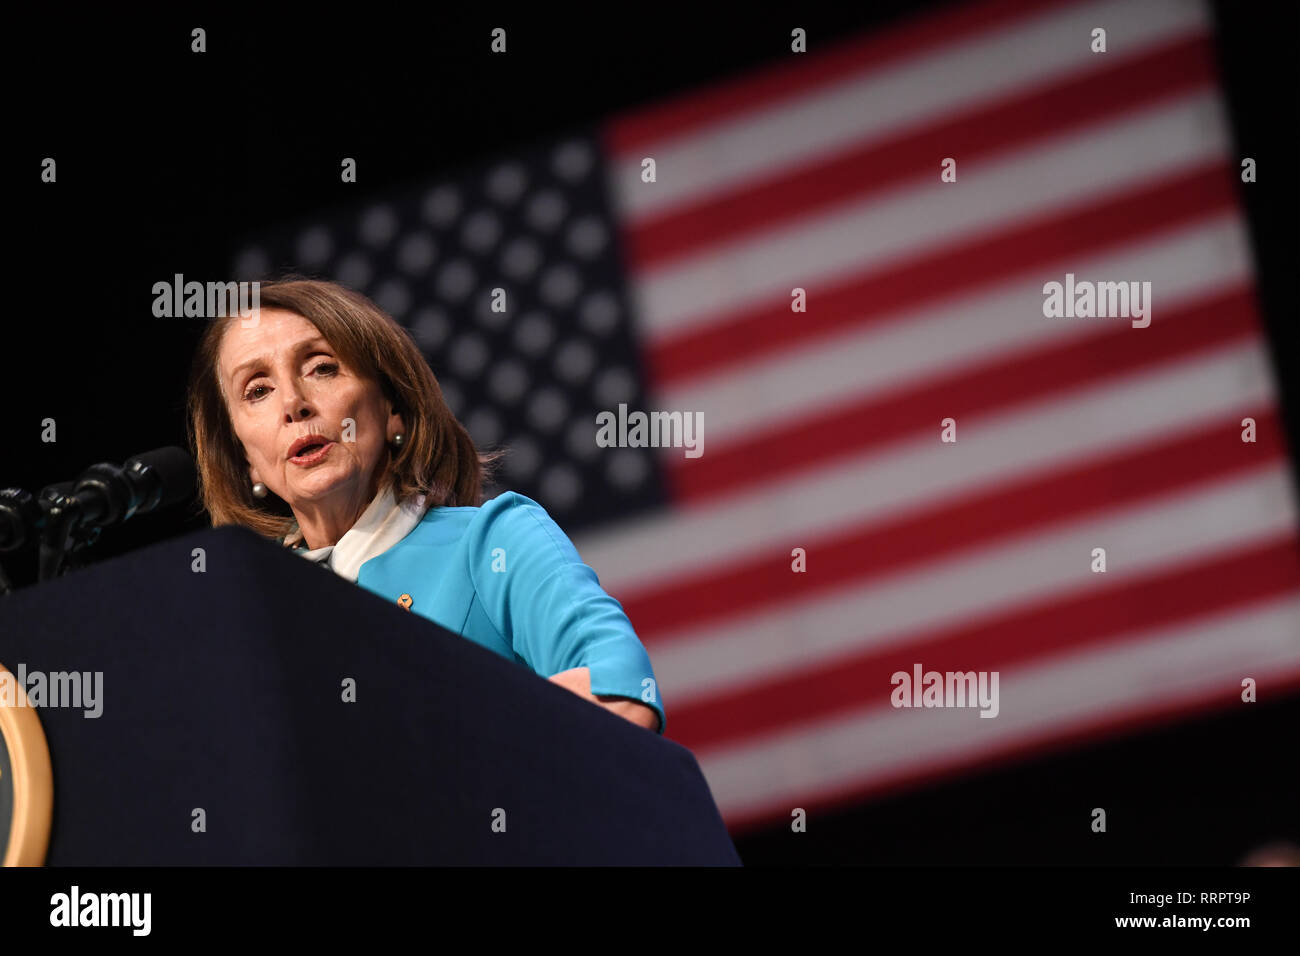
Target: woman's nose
x=296, y=407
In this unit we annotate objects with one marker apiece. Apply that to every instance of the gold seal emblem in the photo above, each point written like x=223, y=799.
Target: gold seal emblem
x=26, y=779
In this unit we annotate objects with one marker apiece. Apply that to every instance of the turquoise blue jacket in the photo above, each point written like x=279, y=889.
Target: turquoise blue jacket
x=505, y=576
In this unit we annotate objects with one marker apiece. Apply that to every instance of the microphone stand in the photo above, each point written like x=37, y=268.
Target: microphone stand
x=69, y=516
x=62, y=536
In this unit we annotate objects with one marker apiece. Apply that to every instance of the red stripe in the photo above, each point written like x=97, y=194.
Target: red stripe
x=875, y=166
x=917, y=409
x=827, y=799
x=1093, y=616
x=981, y=260
x=801, y=75
x=872, y=548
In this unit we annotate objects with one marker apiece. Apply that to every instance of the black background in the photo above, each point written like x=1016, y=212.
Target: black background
x=167, y=160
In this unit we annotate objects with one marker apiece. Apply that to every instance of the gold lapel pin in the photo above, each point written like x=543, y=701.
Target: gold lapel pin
x=405, y=601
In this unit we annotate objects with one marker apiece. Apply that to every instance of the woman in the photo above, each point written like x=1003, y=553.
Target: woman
x=317, y=423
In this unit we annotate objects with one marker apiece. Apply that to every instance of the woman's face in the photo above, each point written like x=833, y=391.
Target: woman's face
x=282, y=382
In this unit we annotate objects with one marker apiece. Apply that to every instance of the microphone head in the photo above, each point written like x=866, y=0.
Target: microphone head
x=165, y=476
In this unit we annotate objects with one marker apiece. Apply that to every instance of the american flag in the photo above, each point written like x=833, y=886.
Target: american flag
x=925, y=302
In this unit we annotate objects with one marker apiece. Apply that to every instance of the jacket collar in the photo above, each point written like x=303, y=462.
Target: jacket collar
x=381, y=525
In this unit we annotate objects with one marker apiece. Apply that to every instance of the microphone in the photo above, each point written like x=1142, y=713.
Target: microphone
x=107, y=495
x=22, y=515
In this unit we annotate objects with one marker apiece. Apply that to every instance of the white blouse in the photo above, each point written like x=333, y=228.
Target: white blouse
x=381, y=525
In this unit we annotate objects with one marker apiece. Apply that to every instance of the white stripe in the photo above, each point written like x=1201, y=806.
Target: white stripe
x=883, y=103
x=1085, y=166
x=976, y=583
x=942, y=339
x=1186, y=662
x=1126, y=411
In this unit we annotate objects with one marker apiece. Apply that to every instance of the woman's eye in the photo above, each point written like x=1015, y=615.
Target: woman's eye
x=324, y=368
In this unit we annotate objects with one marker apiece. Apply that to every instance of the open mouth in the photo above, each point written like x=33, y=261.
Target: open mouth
x=309, y=451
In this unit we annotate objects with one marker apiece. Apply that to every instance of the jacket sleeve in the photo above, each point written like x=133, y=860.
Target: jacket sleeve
x=550, y=606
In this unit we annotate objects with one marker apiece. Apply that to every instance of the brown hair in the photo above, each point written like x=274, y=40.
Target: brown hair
x=437, y=460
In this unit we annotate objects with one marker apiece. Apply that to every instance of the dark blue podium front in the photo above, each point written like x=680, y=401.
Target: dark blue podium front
x=223, y=701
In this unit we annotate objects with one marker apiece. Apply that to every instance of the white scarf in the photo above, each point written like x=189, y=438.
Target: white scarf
x=381, y=525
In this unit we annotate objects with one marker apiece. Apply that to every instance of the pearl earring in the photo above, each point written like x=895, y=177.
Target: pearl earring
x=399, y=439
x=259, y=490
